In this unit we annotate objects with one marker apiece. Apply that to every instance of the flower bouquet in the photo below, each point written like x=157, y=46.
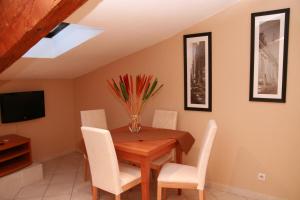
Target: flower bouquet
x=134, y=94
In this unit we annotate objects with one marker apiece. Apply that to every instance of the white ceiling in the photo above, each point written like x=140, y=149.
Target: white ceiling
x=129, y=26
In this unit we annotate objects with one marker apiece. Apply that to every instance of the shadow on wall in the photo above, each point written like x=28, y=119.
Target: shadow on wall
x=83, y=11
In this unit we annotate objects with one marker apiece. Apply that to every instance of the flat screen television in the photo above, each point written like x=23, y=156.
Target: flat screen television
x=21, y=106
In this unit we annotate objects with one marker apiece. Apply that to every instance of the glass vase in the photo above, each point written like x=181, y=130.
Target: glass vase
x=135, y=123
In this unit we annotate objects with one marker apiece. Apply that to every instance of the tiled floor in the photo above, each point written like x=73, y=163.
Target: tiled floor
x=63, y=180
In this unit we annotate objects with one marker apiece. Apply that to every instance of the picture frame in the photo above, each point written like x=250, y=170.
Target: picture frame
x=269, y=55
x=198, y=71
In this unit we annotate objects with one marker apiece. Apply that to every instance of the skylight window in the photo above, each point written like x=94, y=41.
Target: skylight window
x=61, y=39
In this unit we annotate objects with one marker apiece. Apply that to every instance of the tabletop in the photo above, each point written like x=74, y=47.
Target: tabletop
x=149, y=136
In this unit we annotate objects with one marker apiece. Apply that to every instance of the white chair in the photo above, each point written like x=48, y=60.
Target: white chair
x=181, y=176
x=165, y=119
x=96, y=119
x=168, y=120
x=93, y=118
x=107, y=173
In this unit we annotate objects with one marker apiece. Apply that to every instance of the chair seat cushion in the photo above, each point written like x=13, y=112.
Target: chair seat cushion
x=178, y=173
x=162, y=160
x=128, y=173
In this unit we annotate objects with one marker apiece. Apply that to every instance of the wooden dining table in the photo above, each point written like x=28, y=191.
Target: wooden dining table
x=147, y=145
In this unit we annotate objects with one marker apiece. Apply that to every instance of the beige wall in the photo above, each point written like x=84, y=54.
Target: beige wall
x=52, y=135
x=253, y=136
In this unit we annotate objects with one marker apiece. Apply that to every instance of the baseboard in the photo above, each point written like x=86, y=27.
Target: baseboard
x=242, y=192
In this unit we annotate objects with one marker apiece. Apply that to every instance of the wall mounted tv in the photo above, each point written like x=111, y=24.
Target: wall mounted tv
x=21, y=106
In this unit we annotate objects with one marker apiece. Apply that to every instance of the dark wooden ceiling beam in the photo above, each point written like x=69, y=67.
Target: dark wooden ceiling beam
x=24, y=22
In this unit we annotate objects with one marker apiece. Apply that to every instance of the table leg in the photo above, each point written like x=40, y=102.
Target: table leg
x=145, y=173
x=178, y=160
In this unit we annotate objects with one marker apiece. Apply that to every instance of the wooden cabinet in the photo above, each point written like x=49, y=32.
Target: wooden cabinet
x=15, y=153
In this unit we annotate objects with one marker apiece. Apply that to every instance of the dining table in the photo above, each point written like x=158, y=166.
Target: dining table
x=147, y=145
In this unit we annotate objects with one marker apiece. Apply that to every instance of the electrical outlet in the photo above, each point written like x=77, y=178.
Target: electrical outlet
x=261, y=176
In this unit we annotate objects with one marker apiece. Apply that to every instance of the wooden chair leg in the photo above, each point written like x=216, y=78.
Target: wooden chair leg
x=179, y=192
x=164, y=193
x=201, y=195
x=159, y=190
x=86, y=169
x=95, y=193
x=155, y=174
x=118, y=197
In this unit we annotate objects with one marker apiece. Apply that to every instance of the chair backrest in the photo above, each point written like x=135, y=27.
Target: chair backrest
x=205, y=150
x=165, y=119
x=93, y=118
x=102, y=159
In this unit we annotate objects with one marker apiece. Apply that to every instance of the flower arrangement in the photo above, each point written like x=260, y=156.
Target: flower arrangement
x=134, y=95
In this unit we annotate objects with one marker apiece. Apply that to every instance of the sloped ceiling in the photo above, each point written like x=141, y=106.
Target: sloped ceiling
x=129, y=26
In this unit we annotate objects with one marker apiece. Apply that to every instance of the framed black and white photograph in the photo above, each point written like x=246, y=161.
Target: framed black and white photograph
x=269, y=55
x=197, y=72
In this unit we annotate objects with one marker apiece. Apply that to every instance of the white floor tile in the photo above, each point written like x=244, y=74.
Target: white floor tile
x=4, y=198
x=221, y=195
x=50, y=166
x=32, y=191
x=81, y=196
x=80, y=176
x=64, y=180
x=59, y=189
x=83, y=188
x=67, y=177
x=60, y=197
x=15, y=184
x=68, y=167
